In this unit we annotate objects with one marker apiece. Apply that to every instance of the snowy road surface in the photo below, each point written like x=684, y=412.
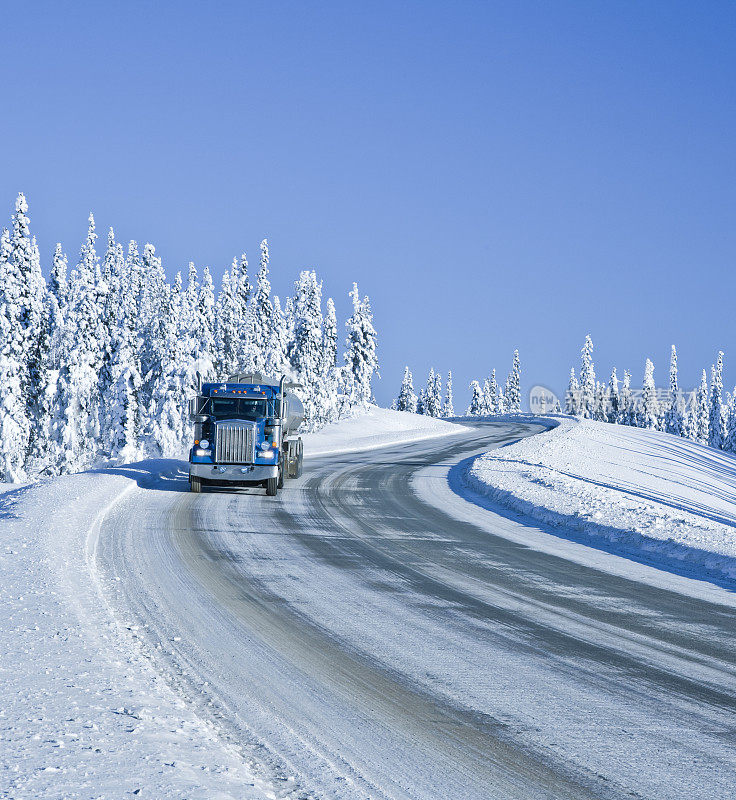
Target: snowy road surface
x=370, y=634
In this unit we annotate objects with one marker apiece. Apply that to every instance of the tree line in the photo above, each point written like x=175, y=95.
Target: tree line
x=97, y=364
x=703, y=416
x=490, y=398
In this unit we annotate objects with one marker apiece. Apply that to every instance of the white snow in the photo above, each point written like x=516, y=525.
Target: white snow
x=641, y=493
x=377, y=427
x=83, y=713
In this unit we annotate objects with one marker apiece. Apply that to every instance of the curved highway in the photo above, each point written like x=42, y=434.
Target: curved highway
x=370, y=634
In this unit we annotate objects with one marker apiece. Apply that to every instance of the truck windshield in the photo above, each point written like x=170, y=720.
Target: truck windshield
x=235, y=408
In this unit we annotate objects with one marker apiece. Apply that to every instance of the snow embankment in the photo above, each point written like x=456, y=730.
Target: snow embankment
x=377, y=427
x=83, y=713
x=644, y=494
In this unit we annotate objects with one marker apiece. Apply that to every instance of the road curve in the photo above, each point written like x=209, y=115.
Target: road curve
x=356, y=641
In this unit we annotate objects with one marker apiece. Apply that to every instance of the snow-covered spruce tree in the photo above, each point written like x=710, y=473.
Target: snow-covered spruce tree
x=14, y=423
x=649, y=411
x=81, y=360
x=133, y=283
x=168, y=429
x=361, y=357
x=492, y=395
x=690, y=419
x=600, y=408
x=242, y=289
x=477, y=400
x=58, y=283
x=572, y=397
x=702, y=411
x=433, y=394
x=278, y=342
x=717, y=416
x=627, y=408
x=56, y=309
x=329, y=400
x=205, y=319
x=190, y=302
x=488, y=405
x=306, y=347
x=448, y=407
x=730, y=443
x=262, y=312
x=407, y=399
x=614, y=404
x=422, y=401
x=513, y=387
x=587, y=380
x=37, y=382
x=226, y=328
x=674, y=419
x=121, y=403
x=501, y=406
x=437, y=392
x=112, y=270
x=152, y=299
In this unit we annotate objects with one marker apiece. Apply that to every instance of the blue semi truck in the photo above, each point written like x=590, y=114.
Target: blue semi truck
x=245, y=433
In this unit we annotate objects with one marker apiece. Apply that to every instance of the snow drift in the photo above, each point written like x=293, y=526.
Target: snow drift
x=652, y=496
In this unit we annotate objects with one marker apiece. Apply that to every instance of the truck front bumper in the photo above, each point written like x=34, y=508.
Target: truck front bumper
x=234, y=472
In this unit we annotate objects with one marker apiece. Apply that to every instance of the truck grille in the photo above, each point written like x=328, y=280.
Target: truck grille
x=234, y=443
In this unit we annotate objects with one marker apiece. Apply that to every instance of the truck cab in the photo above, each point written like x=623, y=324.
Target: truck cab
x=244, y=433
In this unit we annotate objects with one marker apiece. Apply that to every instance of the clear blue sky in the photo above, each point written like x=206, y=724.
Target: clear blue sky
x=494, y=175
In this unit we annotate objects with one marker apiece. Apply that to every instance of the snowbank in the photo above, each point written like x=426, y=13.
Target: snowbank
x=648, y=495
x=377, y=427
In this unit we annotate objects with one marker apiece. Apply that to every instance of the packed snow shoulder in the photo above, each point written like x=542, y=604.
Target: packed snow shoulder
x=641, y=493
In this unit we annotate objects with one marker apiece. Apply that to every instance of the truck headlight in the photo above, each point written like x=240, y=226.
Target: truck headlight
x=267, y=454
x=204, y=444
x=265, y=446
x=200, y=452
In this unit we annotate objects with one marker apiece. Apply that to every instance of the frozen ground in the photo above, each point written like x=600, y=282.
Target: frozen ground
x=652, y=496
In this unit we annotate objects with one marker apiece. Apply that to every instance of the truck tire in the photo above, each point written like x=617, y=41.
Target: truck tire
x=272, y=487
x=281, y=474
x=195, y=484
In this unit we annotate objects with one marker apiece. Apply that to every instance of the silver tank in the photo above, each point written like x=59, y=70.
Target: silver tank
x=294, y=412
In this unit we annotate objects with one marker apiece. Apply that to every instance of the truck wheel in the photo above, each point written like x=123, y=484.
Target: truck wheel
x=272, y=487
x=281, y=475
x=195, y=484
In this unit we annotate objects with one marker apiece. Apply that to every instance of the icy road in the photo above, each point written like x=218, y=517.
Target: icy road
x=372, y=634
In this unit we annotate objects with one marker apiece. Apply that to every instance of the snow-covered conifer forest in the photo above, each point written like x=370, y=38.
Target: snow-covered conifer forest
x=98, y=361
x=487, y=399
x=703, y=415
